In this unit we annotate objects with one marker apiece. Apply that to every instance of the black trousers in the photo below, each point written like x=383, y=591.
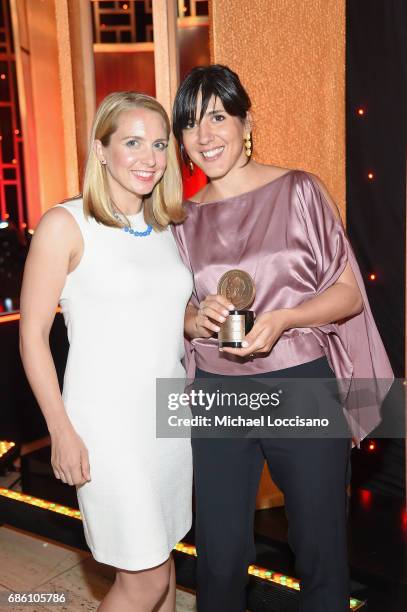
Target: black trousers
x=313, y=475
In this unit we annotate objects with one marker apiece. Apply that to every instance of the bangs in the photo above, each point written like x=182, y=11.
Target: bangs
x=209, y=89
x=186, y=103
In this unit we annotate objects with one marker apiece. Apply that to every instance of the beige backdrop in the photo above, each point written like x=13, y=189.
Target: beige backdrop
x=290, y=55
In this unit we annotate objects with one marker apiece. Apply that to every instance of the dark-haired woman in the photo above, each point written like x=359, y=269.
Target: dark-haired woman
x=281, y=227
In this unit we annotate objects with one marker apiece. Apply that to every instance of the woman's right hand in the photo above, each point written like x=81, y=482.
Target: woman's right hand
x=69, y=457
x=212, y=312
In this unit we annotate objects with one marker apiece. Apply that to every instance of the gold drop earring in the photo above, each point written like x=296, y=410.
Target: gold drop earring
x=248, y=144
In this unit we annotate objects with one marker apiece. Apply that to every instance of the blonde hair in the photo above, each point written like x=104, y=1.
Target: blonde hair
x=164, y=205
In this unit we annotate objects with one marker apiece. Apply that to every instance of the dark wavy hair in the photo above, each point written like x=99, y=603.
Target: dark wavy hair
x=213, y=80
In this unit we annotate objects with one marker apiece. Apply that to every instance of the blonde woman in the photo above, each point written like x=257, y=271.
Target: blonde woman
x=111, y=262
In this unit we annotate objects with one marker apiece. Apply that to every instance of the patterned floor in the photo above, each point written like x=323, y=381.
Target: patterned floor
x=29, y=563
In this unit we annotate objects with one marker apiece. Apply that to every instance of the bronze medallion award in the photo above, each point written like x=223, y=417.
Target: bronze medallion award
x=238, y=287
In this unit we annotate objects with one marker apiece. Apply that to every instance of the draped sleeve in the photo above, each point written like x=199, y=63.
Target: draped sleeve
x=189, y=355
x=353, y=346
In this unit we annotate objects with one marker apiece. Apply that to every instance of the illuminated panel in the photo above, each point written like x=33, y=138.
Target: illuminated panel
x=267, y=574
x=182, y=547
x=5, y=447
x=40, y=503
x=16, y=316
x=10, y=317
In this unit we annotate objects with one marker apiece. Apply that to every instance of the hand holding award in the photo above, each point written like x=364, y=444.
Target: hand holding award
x=238, y=287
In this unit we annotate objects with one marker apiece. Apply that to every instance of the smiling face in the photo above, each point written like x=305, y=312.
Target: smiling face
x=215, y=143
x=136, y=155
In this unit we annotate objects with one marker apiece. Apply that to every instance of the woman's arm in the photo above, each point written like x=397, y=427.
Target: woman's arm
x=339, y=301
x=55, y=249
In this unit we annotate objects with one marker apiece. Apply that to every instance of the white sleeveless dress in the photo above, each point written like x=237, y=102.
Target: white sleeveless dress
x=124, y=310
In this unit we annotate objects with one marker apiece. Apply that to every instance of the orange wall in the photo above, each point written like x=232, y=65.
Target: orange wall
x=291, y=57
x=47, y=102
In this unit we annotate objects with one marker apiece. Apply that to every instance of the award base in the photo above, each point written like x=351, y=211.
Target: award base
x=234, y=329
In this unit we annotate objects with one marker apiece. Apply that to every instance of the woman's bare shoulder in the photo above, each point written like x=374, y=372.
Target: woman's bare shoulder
x=58, y=224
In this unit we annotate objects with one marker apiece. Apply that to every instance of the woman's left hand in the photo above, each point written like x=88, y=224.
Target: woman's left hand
x=264, y=334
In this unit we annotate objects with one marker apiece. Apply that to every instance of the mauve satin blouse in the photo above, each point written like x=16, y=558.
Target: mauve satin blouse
x=285, y=235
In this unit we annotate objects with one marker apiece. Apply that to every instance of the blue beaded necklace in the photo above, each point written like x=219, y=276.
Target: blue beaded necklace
x=133, y=232
x=136, y=233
